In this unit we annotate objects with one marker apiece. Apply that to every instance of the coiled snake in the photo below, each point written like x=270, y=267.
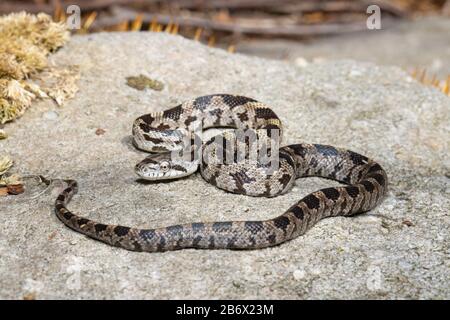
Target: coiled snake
x=366, y=181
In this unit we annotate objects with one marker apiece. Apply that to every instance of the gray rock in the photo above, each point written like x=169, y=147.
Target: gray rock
x=378, y=111
x=418, y=44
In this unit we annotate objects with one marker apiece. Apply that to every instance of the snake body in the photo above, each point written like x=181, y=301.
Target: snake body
x=365, y=180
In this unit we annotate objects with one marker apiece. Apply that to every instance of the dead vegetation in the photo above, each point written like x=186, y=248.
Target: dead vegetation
x=26, y=41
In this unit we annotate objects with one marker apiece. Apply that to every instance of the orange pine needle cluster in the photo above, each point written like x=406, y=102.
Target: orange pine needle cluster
x=422, y=77
x=136, y=25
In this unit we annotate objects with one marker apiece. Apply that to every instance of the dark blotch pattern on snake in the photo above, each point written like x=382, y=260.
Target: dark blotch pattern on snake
x=366, y=181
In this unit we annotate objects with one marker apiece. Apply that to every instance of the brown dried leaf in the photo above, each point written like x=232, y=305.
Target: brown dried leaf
x=15, y=189
x=100, y=131
x=52, y=235
x=30, y=296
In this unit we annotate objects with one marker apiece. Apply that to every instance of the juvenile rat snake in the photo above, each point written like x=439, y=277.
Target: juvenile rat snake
x=365, y=180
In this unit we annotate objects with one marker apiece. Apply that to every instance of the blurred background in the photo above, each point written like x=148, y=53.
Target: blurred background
x=414, y=34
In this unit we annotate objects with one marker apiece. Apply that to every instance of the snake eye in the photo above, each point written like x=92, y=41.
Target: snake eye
x=164, y=166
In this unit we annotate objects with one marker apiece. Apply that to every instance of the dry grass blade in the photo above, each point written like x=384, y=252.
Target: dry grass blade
x=89, y=21
x=198, y=34
x=168, y=27
x=446, y=88
x=153, y=25
x=137, y=23
x=175, y=29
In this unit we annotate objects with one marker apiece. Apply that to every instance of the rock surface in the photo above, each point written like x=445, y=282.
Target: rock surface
x=398, y=250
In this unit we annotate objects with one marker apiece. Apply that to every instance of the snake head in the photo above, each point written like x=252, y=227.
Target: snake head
x=161, y=166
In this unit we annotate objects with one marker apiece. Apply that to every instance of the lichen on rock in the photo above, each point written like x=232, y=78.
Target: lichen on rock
x=142, y=82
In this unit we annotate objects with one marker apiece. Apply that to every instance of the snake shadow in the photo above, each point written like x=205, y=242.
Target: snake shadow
x=150, y=182
x=153, y=182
